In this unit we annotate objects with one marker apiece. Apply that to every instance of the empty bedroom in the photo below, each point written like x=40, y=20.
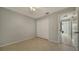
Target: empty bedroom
x=39, y=28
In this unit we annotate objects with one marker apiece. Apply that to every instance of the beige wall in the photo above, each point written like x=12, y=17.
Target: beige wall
x=43, y=28
x=53, y=28
x=15, y=27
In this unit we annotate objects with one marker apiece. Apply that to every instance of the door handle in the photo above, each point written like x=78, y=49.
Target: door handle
x=76, y=32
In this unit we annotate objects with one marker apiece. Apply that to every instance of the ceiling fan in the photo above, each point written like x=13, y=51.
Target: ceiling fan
x=33, y=8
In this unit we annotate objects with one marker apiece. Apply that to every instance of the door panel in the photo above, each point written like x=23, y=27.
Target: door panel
x=66, y=32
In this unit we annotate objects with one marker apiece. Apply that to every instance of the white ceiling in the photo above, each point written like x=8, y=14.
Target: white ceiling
x=40, y=11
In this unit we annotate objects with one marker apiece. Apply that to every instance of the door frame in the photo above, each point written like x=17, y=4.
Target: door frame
x=61, y=27
x=70, y=29
x=59, y=33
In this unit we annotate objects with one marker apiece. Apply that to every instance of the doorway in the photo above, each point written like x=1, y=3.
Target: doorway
x=69, y=30
x=66, y=32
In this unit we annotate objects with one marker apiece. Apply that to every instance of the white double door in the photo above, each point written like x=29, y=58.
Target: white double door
x=66, y=32
x=69, y=31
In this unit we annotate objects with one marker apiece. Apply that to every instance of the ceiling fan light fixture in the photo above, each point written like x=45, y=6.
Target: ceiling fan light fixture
x=32, y=9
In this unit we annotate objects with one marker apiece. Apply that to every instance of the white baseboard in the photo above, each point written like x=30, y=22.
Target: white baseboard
x=54, y=41
x=16, y=41
x=41, y=38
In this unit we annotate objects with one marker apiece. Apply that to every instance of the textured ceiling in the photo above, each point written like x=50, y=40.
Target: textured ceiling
x=40, y=11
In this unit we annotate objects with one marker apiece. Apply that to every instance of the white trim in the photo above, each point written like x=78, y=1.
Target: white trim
x=15, y=42
x=54, y=41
